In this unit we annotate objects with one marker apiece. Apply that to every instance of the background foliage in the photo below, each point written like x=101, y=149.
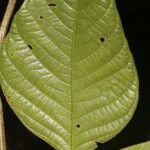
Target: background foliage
x=134, y=15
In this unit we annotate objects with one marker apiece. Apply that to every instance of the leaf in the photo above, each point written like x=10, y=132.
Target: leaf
x=141, y=146
x=67, y=72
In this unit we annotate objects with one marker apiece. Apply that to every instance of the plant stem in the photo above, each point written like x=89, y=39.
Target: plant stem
x=6, y=19
x=2, y=131
x=3, y=31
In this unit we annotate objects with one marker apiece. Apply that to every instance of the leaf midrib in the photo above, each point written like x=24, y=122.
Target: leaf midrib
x=71, y=73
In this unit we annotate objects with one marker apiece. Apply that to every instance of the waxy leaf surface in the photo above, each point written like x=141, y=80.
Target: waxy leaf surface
x=67, y=72
x=141, y=146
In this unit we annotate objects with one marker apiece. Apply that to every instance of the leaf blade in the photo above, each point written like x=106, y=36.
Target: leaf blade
x=69, y=72
x=141, y=146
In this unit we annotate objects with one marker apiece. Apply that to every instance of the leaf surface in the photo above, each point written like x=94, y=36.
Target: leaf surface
x=141, y=146
x=67, y=72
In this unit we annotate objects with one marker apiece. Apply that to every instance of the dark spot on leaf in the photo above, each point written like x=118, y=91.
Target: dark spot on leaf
x=78, y=126
x=41, y=17
x=51, y=4
x=11, y=54
x=30, y=46
x=102, y=39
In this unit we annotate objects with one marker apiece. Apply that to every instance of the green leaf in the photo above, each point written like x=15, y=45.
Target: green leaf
x=142, y=146
x=67, y=72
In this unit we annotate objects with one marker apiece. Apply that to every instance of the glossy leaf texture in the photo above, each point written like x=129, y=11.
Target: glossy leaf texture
x=67, y=72
x=141, y=146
